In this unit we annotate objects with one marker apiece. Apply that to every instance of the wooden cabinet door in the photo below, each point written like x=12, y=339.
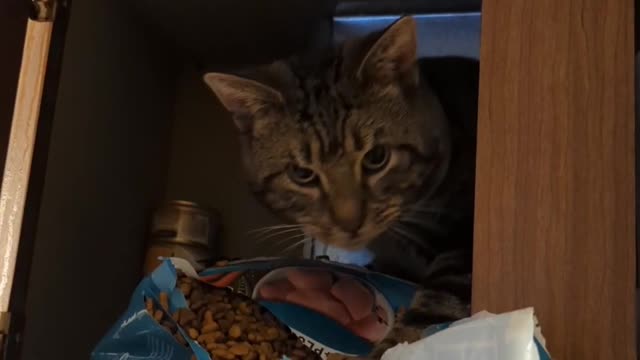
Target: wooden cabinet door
x=555, y=193
x=28, y=100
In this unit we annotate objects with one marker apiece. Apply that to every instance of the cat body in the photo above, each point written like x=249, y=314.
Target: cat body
x=446, y=217
x=437, y=254
x=370, y=147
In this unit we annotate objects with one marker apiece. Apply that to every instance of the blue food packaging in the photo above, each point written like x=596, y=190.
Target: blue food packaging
x=136, y=335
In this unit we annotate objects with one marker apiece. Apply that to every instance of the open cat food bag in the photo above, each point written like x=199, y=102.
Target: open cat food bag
x=267, y=308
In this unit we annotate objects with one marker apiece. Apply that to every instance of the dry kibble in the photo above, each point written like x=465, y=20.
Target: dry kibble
x=235, y=331
x=298, y=352
x=200, y=314
x=193, y=333
x=209, y=338
x=222, y=263
x=250, y=356
x=218, y=345
x=164, y=301
x=266, y=347
x=185, y=288
x=222, y=354
x=244, y=324
x=186, y=316
x=176, y=316
x=196, y=305
x=230, y=326
x=244, y=308
x=196, y=295
x=149, y=305
x=224, y=324
x=272, y=334
x=170, y=326
x=180, y=339
x=208, y=316
x=240, y=349
x=230, y=317
x=209, y=327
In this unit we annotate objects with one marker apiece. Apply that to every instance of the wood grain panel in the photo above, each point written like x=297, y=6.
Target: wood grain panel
x=13, y=24
x=555, y=171
x=20, y=150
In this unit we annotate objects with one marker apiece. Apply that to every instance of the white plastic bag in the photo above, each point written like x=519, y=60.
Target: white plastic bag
x=484, y=336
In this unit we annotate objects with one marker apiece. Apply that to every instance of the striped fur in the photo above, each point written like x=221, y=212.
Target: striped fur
x=332, y=121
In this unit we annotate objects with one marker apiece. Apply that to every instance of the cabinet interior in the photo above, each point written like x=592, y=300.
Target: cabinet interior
x=134, y=125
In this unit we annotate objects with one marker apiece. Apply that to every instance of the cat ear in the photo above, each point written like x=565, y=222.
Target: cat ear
x=393, y=56
x=243, y=97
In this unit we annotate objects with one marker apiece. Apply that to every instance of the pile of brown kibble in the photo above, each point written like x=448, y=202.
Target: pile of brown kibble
x=228, y=325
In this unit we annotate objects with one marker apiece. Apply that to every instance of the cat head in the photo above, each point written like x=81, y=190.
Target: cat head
x=343, y=147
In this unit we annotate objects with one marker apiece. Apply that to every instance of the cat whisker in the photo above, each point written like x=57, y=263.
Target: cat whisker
x=296, y=244
x=267, y=229
x=412, y=220
x=432, y=226
x=423, y=210
x=422, y=223
x=425, y=214
x=391, y=232
x=280, y=242
x=431, y=210
x=405, y=233
x=399, y=236
x=278, y=233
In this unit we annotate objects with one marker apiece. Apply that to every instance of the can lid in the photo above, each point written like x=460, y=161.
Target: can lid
x=182, y=203
x=180, y=242
x=190, y=204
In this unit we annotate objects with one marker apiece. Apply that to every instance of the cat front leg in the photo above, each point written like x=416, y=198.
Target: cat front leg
x=429, y=307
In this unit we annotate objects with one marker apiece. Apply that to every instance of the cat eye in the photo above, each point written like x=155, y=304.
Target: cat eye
x=301, y=175
x=376, y=158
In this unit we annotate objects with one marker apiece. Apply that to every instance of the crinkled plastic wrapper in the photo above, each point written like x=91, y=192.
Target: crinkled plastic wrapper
x=484, y=336
x=136, y=335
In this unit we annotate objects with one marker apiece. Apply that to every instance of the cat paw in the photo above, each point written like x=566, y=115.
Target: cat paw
x=397, y=336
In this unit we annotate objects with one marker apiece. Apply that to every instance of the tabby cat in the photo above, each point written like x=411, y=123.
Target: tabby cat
x=371, y=147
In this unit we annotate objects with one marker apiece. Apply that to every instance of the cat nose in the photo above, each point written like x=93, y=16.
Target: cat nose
x=348, y=215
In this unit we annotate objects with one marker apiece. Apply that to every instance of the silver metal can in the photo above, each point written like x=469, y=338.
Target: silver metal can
x=184, y=222
x=182, y=229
